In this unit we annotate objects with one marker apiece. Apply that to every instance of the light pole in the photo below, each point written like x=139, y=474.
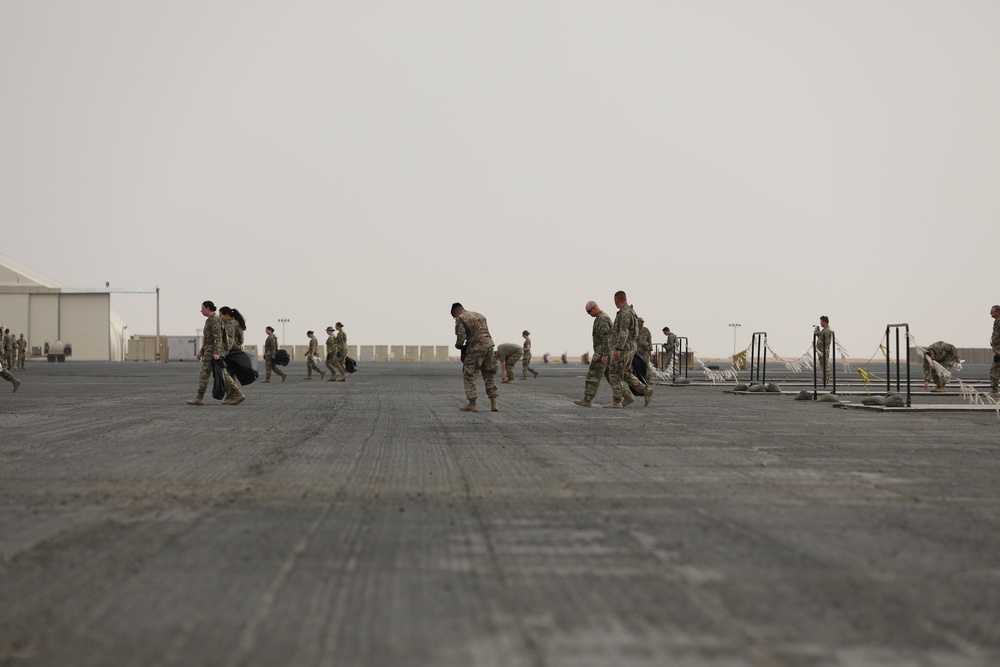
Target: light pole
x=283, y=320
x=734, y=325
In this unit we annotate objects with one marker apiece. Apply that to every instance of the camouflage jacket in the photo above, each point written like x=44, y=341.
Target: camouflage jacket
x=527, y=345
x=313, y=347
x=602, y=335
x=823, y=340
x=230, y=337
x=341, y=343
x=270, y=346
x=21, y=344
x=625, y=329
x=995, y=338
x=331, y=345
x=671, y=343
x=471, y=328
x=212, y=342
x=644, y=342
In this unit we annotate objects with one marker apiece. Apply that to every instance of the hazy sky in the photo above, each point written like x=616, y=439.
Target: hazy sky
x=762, y=162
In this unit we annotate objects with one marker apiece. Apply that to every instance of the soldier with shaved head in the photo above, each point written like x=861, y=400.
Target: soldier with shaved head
x=602, y=353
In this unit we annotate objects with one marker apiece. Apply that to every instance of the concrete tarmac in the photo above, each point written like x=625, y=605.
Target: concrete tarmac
x=371, y=523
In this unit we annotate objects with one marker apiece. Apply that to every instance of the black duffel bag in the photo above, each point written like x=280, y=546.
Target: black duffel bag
x=242, y=366
x=350, y=365
x=638, y=370
x=219, y=379
x=281, y=358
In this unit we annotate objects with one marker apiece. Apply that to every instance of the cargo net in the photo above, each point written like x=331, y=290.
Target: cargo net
x=803, y=363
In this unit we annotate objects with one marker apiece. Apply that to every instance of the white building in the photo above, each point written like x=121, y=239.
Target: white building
x=46, y=311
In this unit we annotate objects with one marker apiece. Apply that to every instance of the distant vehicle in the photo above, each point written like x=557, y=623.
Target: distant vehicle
x=58, y=351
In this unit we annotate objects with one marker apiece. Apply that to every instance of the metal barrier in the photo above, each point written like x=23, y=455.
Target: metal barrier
x=758, y=357
x=888, y=360
x=680, y=356
x=831, y=362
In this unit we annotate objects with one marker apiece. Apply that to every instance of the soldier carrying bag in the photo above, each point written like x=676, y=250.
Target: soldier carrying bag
x=218, y=379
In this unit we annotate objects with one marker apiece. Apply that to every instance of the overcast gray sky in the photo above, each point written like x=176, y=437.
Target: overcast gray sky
x=762, y=162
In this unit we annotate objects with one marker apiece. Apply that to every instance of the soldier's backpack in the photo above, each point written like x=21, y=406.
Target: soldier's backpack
x=281, y=358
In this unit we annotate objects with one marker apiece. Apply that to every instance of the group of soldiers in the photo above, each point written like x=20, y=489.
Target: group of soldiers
x=615, y=346
x=942, y=354
x=12, y=352
x=336, y=354
x=223, y=334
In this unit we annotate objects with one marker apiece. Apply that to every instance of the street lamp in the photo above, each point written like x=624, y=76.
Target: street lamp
x=283, y=320
x=734, y=325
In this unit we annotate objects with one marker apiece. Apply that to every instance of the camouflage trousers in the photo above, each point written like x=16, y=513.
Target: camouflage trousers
x=271, y=367
x=824, y=366
x=20, y=359
x=206, y=373
x=340, y=363
x=480, y=360
x=597, y=370
x=621, y=375
x=311, y=366
x=5, y=374
x=526, y=366
x=995, y=376
x=510, y=362
x=331, y=363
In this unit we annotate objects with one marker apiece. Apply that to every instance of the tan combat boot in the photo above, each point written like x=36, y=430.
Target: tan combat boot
x=583, y=402
x=197, y=400
x=614, y=404
x=494, y=406
x=471, y=407
x=16, y=383
x=647, y=396
x=627, y=399
x=237, y=397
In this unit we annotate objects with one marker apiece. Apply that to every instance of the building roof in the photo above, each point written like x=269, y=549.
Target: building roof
x=13, y=274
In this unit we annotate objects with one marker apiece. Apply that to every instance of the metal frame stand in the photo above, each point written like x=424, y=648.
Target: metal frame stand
x=888, y=360
x=758, y=357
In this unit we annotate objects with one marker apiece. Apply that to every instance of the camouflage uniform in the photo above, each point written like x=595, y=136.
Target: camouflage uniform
x=331, y=355
x=623, y=334
x=471, y=328
x=232, y=339
x=311, y=364
x=340, y=359
x=945, y=354
x=824, y=339
x=509, y=355
x=22, y=347
x=602, y=347
x=995, y=368
x=526, y=360
x=669, y=349
x=212, y=344
x=8, y=359
x=6, y=346
x=270, y=349
x=644, y=343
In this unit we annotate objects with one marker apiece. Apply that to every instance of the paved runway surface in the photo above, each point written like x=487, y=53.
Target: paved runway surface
x=370, y=523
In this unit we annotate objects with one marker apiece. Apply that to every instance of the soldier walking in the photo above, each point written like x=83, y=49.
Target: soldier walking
x=233, y=326
x=211, y=349
x=602, y=353
x=644, y=341
x=624, y=333
x=473, y=334
x=270, y=350
x=311, y=355
x=331, y=353
x=340, y=360
x=526, y=357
